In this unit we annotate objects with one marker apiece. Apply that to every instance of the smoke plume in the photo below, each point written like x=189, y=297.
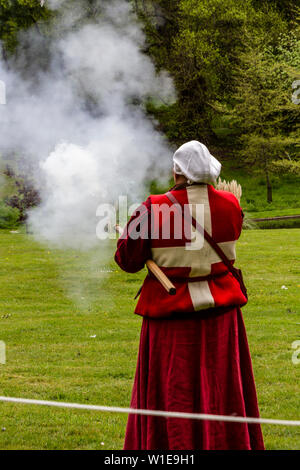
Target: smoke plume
x=75, y=117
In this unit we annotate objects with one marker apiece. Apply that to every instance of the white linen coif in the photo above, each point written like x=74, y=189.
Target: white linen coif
x=194, y=161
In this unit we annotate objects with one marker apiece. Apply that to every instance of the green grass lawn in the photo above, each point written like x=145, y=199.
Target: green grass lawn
x=52, y=302
x=254, y=198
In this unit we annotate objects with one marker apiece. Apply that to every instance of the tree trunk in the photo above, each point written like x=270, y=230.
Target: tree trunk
x=269, y=186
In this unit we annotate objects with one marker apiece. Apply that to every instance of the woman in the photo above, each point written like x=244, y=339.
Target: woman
x=193, y=354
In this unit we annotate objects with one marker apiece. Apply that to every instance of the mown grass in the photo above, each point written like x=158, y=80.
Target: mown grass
x=254, y=198
x=53, y=302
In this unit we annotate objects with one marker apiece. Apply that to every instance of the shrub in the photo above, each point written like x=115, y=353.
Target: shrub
x=25, y=198
x=9, y=217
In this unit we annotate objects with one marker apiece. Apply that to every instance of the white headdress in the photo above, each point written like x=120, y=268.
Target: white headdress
x=194, y=161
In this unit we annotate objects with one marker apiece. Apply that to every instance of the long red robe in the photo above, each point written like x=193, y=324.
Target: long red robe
x=199, y=365
x=195, y=362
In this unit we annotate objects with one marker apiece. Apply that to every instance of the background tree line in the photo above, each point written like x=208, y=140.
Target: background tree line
x=233, y=63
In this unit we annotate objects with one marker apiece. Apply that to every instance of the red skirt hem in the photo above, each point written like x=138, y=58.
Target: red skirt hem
x=198, y=365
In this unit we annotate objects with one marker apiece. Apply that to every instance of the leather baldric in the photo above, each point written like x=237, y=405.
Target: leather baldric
x=237, y=273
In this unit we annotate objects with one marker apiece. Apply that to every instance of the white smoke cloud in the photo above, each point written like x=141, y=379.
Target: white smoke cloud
x=83, y=152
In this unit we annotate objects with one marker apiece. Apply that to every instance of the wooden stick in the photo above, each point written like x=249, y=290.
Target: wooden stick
x=161, y=277
x=156, y=271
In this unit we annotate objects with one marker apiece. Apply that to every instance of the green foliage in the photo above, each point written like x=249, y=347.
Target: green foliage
x=286, y=165
x=16, y=15
x=9, y=217
x=25, y=197
x=201, y=44
x=232, y=61
x=279, y=224
x=266, y=116
x=196, y=42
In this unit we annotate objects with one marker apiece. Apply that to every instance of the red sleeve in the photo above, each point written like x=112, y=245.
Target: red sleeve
x=133, y=248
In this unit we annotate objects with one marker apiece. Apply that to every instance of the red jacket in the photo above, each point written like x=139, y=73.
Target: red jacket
x=145, y=238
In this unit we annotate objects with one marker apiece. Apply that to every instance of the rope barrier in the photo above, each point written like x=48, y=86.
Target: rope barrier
x=164, y=414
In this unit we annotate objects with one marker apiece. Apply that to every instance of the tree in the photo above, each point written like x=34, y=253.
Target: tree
x=16, y=15
x=25, y=198
x=196, y=42
x=264, y=111
x=200, y=44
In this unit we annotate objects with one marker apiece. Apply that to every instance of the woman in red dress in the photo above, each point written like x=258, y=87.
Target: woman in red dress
x=193, y=354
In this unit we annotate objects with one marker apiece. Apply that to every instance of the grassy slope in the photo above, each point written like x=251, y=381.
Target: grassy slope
x=50, y=354
x=285, y=191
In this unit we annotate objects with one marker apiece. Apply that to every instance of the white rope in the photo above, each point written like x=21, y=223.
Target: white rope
x=164, y=414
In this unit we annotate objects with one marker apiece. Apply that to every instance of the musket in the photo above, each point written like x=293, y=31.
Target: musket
x=156, y=271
